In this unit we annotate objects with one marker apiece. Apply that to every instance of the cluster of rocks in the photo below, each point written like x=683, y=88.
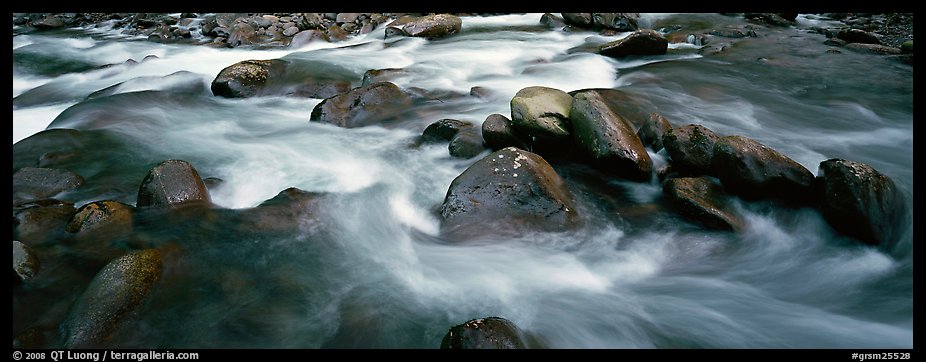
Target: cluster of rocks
x=886, y=34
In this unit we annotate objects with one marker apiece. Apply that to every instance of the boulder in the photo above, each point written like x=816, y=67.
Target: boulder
x=40, y=222
x=49, y=22
x=101, y=219
x=242, y=34
x=284, y=213
x=542, y=113
x=31, y=183
x=873, y=48
x=172, y=184
x=336, y=33
x=703, y=200
x=466, y=144
x=768, y=19
x=255, y=78
x=498, y=132
x=443, y=130
x=381, y=75
x=362, y=106
x=484, y=333
x=907, y=47
x=640, y=42
x=652, y=131
x=581, y=20
x=607, y=139
x=511, y=188
x=754, y=171
x=615, y=21
x=308, y=36
x=433, y=26
x=861, y=202
x=113, y=294
x=246, y=78
x=552, y=21
x=857, y=36
x=25, y=264
x=691, y=148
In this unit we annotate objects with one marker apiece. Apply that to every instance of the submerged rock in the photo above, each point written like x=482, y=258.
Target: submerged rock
x=101, y=219
x=484, y=333
x=702, y=200
x=32, y=183
x=172, y=183
x=362, y=106
x=40, y=222
x=542, y=112
x=858, y=36
x=25, y=264
x=607, y=139
x=255, y=78
x=753, y=171
x=433, y=26
x=286, y=212
x=640, y=42
x=691, y=148
x=511, y=188
x=861, y=202
x=498, y=132
x=113, y=295
x=246, y=78
x=444, y=130
x=652, y=131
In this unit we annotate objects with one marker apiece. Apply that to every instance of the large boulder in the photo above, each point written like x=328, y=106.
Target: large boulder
x=484, y=333
x=41, y=222
x=542, y=113
x=640, y=42
x=754, y=171
x=498, y=132
x=362, y=106
x=443, y=130
x=861, y=202
x=615, y=21
x=652, y=131
x=246, y=78
x=511, y=188
x=255, y=78
x=703, y=200
x=607, y=139
x=581, y=20
x=25, y=263
x=433, y=26
x=171, y=184
x=31, y=183
x=101, y=219
x=113, y=294
x=466, y=144
x=691, y=148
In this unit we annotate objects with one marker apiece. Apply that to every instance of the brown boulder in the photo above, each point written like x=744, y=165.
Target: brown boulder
x=753, y=171
x=362, y=106
x=703, y=200
x=640, y=42
x=607, y=139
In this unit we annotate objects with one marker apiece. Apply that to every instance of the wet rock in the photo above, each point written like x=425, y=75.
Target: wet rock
x=347, y=17
x=512, y=189
x=381, y=75
x=101, y=220
x=907, y=47
x=703, y=200
x=336, y=33
x=110, y=299
x=177, y=82
x=246, y=78
x=872, y=48
x=727, y=33
x=444, y=130
x=25, y=263
x=481, y=92
x=172, y=184
x=305, y=37
x=768, y=19
x=433, y=26
x=41, y=222
x=31, y=183
x=288, y=211
x=691, y=148
x=49, y=22
x=484, y=333
x=581, y=20
x=290, y=31
x=640, y=42
x=858, y=36
x=242, y=34
x=615, y=21
x=834, y=42
x=362, y=106
x=498, y=132
x=861, y=202
x=255, y=78
x=466, y=144
x=607, y=139
x=754, y=171
x=542, y=113
x=393, y=31
x=652, y=131
x=552, y=21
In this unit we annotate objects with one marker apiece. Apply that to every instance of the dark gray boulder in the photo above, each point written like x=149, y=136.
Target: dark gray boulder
x=171, y=184
x=466, y=144
x=498, y=132
x=34, y=183
x=861, y=202
x=484, y=333
x=639, y=43
x=444, y=130
x=362, y=106
x=607, y=139
x=653, y=129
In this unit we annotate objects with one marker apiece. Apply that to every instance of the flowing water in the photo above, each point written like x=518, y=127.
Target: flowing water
x=371, y=270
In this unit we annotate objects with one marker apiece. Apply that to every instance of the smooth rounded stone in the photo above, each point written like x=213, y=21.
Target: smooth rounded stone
x=582, y=20
x=286, y=212
x=639, y=43
x=872, y=48
x=652, y=131
x=40, y=222
x=113, y=294
x=615, y=21
x=362, y=106
x=290, y=31
x=768, y=19
x=31, y=183
x=25, y=263
x=381, y=75
x=607, y=139
x=703, y=200
x=444, y=130
x=335, y=33
x=513, y=189
x=542, y=112
x=49, y=22
x=498, y=132
x=861, y=202
x=858, y=36
x=171, y=184
x=466, y=144
x=346, y=17
x=393, y=31
x=433, y=26
x=484, y=333
x=308, y=36
x=481, y=92
x=101, y=219
x=907, y=46
x=691, y=148
x=246, y=78
x=552, y=21
x=184, y=33
x=635, y=108
x=242, y=34
x=754, y=171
